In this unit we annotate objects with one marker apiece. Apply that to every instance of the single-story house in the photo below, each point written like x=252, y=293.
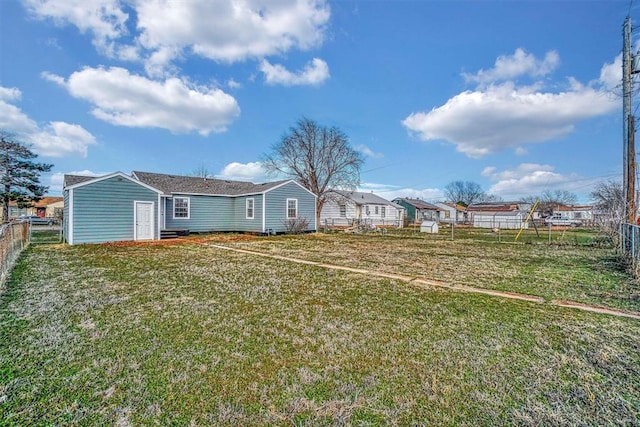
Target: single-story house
x=578, y=212
x=347, y=208
x=143, y=205
x=505, y=215
x=451, y=212
x=49, y=207
x=418, y=210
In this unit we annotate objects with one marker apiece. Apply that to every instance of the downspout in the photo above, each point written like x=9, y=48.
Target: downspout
x=159, y=217
x=264, y=212
x=70, y=219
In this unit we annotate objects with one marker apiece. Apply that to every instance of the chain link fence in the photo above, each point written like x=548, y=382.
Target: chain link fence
x=13, y=239
x=630, y=244
x=42, y=233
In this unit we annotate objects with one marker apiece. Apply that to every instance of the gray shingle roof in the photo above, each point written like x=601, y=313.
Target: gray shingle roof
x=76, y=179
x=420, y=204
x=361, y=198
x=170, y=184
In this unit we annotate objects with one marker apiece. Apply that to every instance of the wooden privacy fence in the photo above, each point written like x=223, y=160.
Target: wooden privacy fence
x=13, y=239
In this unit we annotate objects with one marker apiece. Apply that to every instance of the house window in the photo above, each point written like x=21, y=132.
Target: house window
x=375, y=210
x=181, y=207
x=249, y=205
x=343, y=211
x=292, y=208
x=383, y=211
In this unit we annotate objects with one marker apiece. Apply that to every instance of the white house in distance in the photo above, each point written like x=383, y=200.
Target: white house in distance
x=505, y=215
x=348, y=208
x=582, y=213
x=451, y=212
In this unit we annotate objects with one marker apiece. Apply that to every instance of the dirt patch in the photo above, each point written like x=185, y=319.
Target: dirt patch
x=595, y=308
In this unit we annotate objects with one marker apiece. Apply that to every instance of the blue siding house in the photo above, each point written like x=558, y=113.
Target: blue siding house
x=119, y=207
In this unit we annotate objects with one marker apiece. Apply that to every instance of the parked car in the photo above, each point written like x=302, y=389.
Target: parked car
x=562, y=221
x=36, y=220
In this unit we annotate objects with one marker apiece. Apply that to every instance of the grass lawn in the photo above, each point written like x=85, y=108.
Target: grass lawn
x=582, y=272
x=190, y=334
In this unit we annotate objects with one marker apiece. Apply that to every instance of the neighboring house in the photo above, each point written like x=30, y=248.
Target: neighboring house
x=119, y=207
x=582, y=213
x=15, y=211
x=451, y=212
x=418, y=210
x=505, y=215
x=346, y=208
x=50, y=207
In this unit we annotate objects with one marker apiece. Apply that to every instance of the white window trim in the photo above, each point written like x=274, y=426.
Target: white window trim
x=287, y=208
x=253, y=208
x=188, y=199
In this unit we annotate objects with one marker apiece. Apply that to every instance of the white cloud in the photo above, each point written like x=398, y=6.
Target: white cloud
x=234, y=84
x=12, y=118
x=520, y=63
x=501, y=114
x=60, y=139
x=481, y=122
x=611, y=74
x=163, y=31
x=55, y=139
x=529, y=179
x=314, y=73
x=368, y=152
x=104, y=18
x=521, y=151
x=252, y=171
x=10, y=94
x=232, y=31
x=126, y=99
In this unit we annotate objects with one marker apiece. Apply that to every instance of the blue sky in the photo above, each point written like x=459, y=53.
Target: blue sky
x=518, y=96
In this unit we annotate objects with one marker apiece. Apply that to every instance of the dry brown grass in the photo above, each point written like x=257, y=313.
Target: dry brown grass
x=586, y=274
x=189, y=334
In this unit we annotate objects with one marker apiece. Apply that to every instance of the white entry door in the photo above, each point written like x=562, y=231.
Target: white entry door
x=143, y=220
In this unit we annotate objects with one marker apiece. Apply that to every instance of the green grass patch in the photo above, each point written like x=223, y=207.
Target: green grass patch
x=150, y=335
x=587, y=273
x=44, y=236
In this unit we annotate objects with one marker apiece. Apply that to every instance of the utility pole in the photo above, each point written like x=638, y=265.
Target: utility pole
x=628, y=127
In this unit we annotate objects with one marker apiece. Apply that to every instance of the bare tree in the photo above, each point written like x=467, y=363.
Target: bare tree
x=609, y=201
x=466, y=193
x=549, y=201
x=19, y=174
x=320, y=158
x=201, y=172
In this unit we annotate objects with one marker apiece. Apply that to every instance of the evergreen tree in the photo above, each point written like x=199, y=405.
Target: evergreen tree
x=19, y=174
